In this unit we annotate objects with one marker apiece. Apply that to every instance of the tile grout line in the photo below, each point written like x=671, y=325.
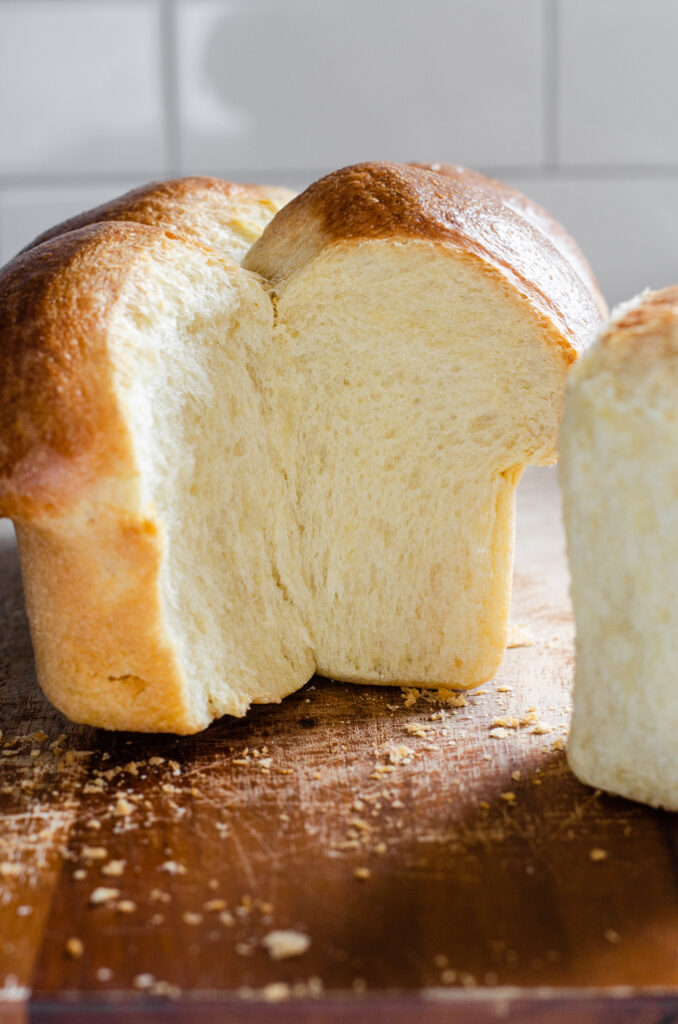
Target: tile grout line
x=170, y=95
x=550, y=84
x=563, y=173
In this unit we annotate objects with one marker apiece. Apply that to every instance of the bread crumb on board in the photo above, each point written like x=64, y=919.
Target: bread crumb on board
x=74, y=948
x=519, y=636
x=102, y=894
x=597, y=854
x=283, y=944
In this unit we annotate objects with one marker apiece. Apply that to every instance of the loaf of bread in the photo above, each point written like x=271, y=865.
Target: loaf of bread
x=619, y=477
x=226, y=479
x=218, y=213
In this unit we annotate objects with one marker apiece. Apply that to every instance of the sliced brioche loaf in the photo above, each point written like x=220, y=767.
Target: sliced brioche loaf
x=619, y=476
x=218, y=491
x=227, y=216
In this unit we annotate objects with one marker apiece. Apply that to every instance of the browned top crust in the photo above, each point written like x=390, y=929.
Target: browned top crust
x=533, y=213
x=184, y=205
x=386, y=200
x=652, y=309
x=59, y=423
x=641, y=336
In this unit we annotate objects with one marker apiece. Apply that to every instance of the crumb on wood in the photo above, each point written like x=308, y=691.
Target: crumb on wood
x=122, y=807
x=283, y=944
x=597, y=854
x=74, y=948
x=103, y=894
x=113, y=868
x=362, y=873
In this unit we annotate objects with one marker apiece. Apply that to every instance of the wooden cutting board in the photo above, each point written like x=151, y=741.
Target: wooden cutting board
x=438, y=855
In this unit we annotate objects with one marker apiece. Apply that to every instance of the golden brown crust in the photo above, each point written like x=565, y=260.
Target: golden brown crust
x=533, y=213
x=60, y=426
x=640, y=337
x=184, y=205
x=93, y=599
x=398, y=201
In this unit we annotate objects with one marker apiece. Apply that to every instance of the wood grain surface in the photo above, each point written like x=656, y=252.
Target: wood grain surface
x=434, y=848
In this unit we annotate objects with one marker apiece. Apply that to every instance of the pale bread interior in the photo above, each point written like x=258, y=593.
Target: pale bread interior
x=190, y=341
x=619, y=477
x=411, y=388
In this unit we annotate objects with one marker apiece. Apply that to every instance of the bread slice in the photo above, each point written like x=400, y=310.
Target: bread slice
x=619, y=477
x=225, y=479
x=224, y=215
x=137, y=462
x=424, y=331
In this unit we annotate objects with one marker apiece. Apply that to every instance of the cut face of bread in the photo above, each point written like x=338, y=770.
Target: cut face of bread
x=619, y=476
x=224, y=481
x=217, y=213
x=147, y=527
x=412, y=389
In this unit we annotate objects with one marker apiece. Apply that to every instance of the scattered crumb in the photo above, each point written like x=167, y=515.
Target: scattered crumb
x=362, y=873
x=126, y=907
x=519, y=636
x=448, y=976
x=114, y=868
x=172, y=868
x=226, y=918
x=94, y=852
x=122, y=807
x=214, y=905
x=189, y=917
x=144, y=981
x=597, y=854
x=612, y=936
x=283, y=944
x=104, y=974
x=102, y=894
x=276, y=991
x=74, y=948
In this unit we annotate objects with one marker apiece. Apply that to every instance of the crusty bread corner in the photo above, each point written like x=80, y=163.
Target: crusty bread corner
x=618, y=473
x=536, y=215
x=225, y=215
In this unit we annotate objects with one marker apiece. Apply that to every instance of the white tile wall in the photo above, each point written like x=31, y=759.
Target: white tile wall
x=618, y=82
x=27, y=212
x=81, y=87
x=312, y=83
x=573, y=100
